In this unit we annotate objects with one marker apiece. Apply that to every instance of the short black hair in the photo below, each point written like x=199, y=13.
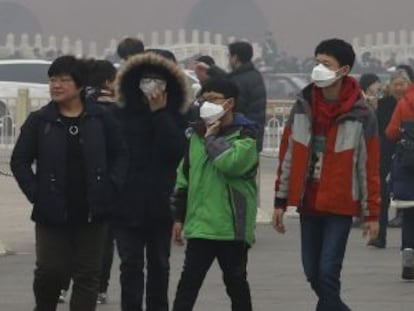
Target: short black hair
x=71, y=66
x=129, y=47
x=341, y=50
x=243, y=51
x=164, y=53
x=368, y=79
x=223, y=86
x=408, y=70
x=206, y=59
x=100, y=71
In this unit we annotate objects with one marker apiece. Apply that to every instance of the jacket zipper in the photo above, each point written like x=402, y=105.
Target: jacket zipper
x=65, y=210
x=81, y=123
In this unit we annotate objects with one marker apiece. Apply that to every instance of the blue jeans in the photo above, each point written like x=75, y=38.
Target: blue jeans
x=324, y=240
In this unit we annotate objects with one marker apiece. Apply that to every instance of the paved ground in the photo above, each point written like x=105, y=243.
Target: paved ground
x=370, y=277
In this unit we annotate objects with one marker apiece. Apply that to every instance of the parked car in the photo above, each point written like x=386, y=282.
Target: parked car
x=23, y=74
x=284, y=85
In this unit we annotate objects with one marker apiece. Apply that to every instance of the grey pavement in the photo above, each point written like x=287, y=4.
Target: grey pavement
x=371, y=277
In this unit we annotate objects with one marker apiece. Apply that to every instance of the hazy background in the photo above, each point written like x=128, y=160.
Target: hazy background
x=297, y=25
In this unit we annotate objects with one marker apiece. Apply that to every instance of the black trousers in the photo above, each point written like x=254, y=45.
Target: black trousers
x=63, y=253
x=199, y=255
x=107, y=259
x=407, y=229
x=385, y=203
x=133, y=243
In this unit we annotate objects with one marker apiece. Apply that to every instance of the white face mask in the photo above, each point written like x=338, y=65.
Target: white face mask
x=150, y=85
x=211, y=113
x=322, y=76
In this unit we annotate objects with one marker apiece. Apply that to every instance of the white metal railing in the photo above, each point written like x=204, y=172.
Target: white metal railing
x=14, y=112
x=7, y=131
x=7, y=122
x=272, y=136
x=274, y=130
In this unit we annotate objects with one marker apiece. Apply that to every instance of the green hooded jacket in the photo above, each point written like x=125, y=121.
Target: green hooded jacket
x=216, y=184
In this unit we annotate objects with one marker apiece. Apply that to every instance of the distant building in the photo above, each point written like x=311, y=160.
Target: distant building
x=239, y=18
x=17, y=19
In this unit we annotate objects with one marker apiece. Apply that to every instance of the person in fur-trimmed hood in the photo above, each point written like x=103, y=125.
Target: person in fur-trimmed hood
x=152, y=93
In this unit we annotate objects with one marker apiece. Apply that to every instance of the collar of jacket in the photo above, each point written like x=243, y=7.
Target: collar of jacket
x=359, y=111
x=50, y=112
x=242, y=69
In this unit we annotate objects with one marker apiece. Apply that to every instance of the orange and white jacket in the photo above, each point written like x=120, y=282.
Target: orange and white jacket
x=349, y=182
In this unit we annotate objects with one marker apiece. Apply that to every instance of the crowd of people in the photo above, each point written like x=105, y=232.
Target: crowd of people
x=273, y=59
x=123, y=156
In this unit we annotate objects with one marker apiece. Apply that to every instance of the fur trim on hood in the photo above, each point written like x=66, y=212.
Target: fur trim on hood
x=129, y=75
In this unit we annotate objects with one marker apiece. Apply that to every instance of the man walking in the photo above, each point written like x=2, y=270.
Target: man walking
x=329, y=168
x=251, y=101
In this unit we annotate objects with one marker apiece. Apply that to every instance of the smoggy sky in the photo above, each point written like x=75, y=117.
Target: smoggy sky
x=298, y=25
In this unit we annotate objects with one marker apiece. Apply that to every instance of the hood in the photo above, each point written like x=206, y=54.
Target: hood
x=240, y=120
x=127, y=85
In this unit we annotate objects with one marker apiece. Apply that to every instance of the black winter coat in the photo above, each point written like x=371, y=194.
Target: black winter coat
x=252, y=97
x=156, y=141
x=42, y=141
x=384, y=112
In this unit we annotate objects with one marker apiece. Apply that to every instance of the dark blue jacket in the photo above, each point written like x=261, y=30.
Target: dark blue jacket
x=384, y=113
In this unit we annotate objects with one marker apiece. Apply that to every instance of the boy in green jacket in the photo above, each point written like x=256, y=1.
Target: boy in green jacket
x=215, y=198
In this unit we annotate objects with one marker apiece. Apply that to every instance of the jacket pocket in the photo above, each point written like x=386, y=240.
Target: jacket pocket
x=49, y=201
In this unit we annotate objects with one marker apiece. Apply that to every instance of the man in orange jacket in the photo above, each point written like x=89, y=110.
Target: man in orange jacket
x=329, y=169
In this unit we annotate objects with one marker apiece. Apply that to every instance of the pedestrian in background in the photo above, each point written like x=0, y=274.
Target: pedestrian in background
x=401, y=130
x=371, y=88
x=396, y=89
x=129, y=47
